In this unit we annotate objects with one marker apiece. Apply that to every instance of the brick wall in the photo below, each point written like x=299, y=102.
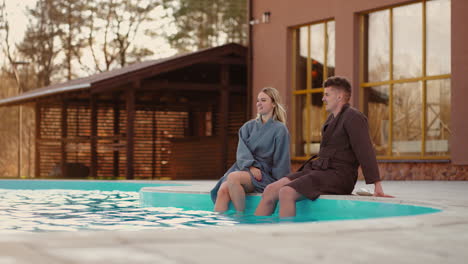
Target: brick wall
x=416, y=171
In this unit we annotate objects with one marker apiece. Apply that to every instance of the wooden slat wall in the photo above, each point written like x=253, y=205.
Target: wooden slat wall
x=108, y=143
x=195, y=158
x=49, y=143
x=153, y=132
x=78, y=134
x=198, y=157
x=164, y=146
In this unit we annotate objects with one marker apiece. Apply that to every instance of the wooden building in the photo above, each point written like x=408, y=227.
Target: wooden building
x=175, y=118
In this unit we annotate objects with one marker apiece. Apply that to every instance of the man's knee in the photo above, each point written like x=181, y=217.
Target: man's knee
x=287, y=193
x=269, y=193
x=269, y=190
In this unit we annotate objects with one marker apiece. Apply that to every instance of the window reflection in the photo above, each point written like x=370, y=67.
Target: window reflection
x=317, y=53
x=407, y=41
x=438, y=117
x=317, y=118
x=377, y=111
x=438, y=37
x=378, y=46
x=331, y=48
x=407, y=119
x=301, y=58
x=300, y=120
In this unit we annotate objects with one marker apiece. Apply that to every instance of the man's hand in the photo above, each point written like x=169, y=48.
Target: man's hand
x=378, y=191
x=257, y=173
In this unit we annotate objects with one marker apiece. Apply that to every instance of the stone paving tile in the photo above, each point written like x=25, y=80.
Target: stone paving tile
x=114, y=255
x=210, y=252
x=21, y=253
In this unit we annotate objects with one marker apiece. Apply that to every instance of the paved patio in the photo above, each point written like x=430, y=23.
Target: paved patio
x=432, y=238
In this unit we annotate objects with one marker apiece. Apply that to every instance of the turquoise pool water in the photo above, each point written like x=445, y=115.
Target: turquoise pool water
x=78, y=185
x=35, y=205
x=307, y=210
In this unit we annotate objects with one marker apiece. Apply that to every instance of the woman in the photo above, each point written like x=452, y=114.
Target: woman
x=262, y=154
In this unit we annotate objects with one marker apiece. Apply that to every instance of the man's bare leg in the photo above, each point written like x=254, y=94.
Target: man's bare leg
x=288, y=197
x=239, y=182
x=270, y=197
x=223, y=198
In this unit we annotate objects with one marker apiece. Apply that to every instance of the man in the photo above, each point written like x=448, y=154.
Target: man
x=345, y=145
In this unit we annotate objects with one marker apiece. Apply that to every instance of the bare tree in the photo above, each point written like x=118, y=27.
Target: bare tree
x=207, y=23
x=5, y=42
x=41, y=41
x=72, y=14
x=118, y=22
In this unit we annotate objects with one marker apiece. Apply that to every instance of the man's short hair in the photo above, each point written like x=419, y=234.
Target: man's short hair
x=339, y=83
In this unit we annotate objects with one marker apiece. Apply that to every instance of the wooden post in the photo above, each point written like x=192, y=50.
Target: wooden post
x=116, y=135
x=94, y=135
x=63, y=138
x=37, y=157
x=224, y=116
x=154, y=144
x=130, y=103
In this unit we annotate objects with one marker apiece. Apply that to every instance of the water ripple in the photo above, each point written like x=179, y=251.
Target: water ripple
x=74, y=210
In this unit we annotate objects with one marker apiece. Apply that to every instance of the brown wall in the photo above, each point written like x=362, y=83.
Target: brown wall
x=459, y=144
x=271, y=51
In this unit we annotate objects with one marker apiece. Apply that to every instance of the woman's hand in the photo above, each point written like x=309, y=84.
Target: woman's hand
x=256, y=172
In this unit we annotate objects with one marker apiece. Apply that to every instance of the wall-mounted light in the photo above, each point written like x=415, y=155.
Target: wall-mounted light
x=265, y=19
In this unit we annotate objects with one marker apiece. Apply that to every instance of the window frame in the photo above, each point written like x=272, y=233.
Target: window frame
x=308, y=92
x=424, y=78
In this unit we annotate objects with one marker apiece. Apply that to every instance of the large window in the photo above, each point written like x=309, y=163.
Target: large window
x=405, y=87
x=313, y=60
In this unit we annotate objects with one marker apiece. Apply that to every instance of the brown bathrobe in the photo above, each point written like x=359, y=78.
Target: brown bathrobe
x=345, y=145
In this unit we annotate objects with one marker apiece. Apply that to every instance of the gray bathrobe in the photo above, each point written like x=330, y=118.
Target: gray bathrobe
x=264, y=146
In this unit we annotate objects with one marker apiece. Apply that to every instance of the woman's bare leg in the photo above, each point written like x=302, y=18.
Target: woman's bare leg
x=239, y=182
x=270, y=197
x=223, y=198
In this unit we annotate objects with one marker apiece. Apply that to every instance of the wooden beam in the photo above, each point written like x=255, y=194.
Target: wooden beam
x=154, y=134
x=116, y=133
x=37, y=157
x=64, y=132
x=130, y=106
x=94, y=135
x=187, y=86
x=228, y=60
x=224, y=116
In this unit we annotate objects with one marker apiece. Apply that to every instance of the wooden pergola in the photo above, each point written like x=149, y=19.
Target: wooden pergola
x=173, y=118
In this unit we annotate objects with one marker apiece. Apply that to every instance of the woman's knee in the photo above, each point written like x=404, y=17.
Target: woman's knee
x=238, y=178
x=223, y=190
x=233, y=177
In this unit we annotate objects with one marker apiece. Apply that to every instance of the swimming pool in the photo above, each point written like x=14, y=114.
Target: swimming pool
x=322, y=209
x=46, y=205
x=43, y=205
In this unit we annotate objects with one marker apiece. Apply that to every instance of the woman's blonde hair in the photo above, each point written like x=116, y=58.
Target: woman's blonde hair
x=279, y=112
